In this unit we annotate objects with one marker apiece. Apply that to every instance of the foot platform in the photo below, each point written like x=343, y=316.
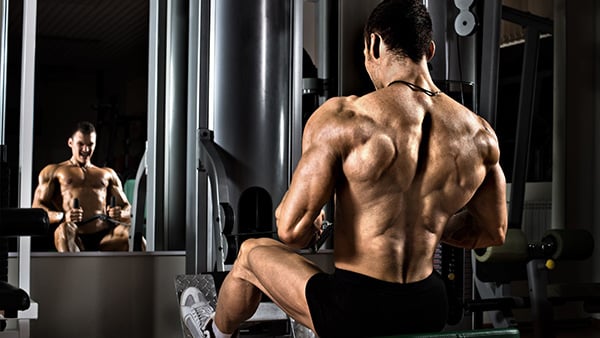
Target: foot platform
x=268, y=316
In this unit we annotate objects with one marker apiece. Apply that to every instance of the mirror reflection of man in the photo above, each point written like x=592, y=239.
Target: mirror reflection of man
x=87, y=202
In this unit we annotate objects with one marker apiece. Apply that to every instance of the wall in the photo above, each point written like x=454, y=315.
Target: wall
x=104, y=295
x=579, y=112
x=110, y=295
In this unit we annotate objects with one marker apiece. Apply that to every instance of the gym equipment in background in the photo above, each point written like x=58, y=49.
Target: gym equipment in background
x=533, y=260
x=15, y=222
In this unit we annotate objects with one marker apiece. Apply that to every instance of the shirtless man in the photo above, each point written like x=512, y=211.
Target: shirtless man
x=75, y=192
x=409, y=167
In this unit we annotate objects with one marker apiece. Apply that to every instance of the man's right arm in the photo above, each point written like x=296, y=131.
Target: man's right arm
x=483, y=222
x=44, y=194
x=298, y=215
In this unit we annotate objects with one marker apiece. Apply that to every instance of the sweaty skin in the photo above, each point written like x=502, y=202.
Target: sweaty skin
x=77, y=178
x=406, y=170
x=395, y=192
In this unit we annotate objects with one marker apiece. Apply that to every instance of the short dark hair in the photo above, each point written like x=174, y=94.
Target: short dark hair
x=84, y=127
x=404, y=25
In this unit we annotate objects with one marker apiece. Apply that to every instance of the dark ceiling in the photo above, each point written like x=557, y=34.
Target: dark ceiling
x=84, y=32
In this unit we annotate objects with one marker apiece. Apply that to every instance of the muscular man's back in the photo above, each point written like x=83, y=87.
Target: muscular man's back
x=409, y=162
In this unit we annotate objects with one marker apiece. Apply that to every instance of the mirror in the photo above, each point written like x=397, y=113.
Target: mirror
x=91, y=65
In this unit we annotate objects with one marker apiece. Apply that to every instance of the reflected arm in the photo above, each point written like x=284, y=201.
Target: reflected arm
x=44, y=195
x=122, y=209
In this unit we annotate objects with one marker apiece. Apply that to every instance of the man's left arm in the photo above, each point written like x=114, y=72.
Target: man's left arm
x=122, y=209
x=483, y=222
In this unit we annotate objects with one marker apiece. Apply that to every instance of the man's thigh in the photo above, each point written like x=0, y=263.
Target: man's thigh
x=282, y=275
x=116, y=240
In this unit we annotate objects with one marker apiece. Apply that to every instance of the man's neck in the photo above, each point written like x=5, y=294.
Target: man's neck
x=409, y=72
x=84, y=165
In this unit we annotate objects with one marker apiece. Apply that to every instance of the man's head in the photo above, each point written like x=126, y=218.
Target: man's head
x=82, y=143
x=404, y=26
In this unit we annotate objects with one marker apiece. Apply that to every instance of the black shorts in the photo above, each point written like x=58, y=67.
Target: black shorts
x=91, y=242
x=348, y=304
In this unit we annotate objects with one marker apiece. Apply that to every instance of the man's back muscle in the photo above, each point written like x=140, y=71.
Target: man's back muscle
x=409, y=163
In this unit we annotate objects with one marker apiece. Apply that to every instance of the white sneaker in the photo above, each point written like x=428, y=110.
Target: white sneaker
x=196, y=312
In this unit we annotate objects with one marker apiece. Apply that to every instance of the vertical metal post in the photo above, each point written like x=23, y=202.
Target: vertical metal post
x=155, y=122
x=295, y=134
x=3, y=61
x=438, y=10
x=490, y=52
x=559, y=116
x=534, y=27
x=175, y=124
x=596, y=216
x=192, y=193
x=198, y=248
x=26, y=130
x=4, y=170
x=26, y=145
x=323, y=45
x=523, y=137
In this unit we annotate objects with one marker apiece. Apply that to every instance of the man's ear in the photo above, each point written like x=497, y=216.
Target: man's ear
x=431, y=50
x=375, y=45
x=70, y=142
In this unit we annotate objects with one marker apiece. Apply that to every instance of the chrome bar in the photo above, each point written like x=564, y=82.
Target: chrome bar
x=296, y=45
x=175, y=121
x=154, y=139
x=3, y=61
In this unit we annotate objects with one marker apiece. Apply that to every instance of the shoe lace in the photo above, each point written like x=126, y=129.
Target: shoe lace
x=202, y=315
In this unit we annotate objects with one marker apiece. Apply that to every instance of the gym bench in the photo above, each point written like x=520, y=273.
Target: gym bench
x=495, y=333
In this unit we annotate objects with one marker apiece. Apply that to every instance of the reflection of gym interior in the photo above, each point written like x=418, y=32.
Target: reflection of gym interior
x=199, y=107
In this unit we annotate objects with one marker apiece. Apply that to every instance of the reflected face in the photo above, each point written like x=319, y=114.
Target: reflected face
x=82, y=147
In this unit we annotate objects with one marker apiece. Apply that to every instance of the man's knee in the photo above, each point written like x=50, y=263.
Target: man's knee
x=65, y=231
x=121, y=232
x=253, y=243
x=59, y=233
x=248, y=247
x=114, y=244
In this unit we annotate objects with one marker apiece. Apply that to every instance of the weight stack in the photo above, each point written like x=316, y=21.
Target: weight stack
x=253, y=45
x=454, y=265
